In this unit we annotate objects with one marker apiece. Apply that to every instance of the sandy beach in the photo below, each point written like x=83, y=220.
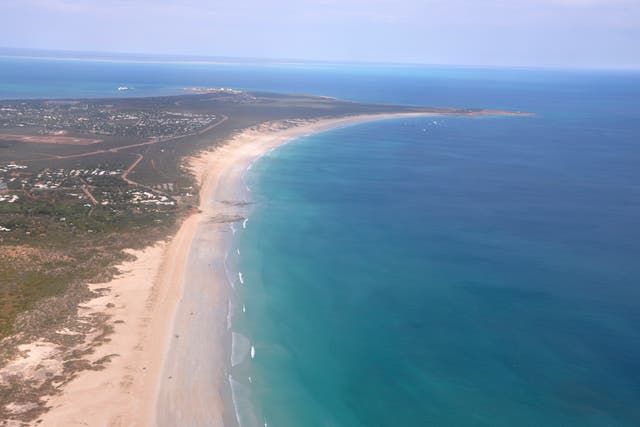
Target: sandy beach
x=169, y=350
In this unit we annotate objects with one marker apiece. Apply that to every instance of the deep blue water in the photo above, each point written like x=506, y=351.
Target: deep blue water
x=473, y=272
x=469, y=272
x=480, y=273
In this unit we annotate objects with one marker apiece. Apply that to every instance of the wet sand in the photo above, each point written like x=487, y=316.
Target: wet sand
x=171, y=343
x=193, y=386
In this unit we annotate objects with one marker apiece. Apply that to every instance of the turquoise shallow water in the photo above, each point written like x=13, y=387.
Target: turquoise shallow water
x=469, y=272
x=456, y=272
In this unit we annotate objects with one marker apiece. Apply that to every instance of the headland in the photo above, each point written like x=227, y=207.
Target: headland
x=151, y=345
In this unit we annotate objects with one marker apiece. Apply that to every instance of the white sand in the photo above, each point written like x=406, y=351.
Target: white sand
x=173, y=347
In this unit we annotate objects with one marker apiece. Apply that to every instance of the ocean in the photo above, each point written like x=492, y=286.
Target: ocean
x=427, y=271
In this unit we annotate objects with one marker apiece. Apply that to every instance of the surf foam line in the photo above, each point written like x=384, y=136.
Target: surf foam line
x=240, y=347
x=234, y=398
x=227, y=271
x=244, y=411
x=244, y=183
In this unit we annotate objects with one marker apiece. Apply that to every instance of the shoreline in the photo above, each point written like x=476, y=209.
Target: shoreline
x=170, y=347
x=222, y=202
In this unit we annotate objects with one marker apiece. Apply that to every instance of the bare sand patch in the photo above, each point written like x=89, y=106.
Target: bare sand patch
x=49, y=139
x=166, y=361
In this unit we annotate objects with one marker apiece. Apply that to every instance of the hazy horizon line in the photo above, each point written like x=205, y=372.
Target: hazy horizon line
x=119, y=56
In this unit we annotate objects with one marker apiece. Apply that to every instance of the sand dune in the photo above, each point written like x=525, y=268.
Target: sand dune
x=169, y=307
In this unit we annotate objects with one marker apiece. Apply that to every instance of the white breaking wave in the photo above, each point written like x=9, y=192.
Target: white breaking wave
x=238, y=250
x=244, y=309
x=240, y=393
x=234, y=384
x=233, y=229
x=253, y=352
x=244, y=223
x=227, y=272
x=239, y=348
x=241, y=277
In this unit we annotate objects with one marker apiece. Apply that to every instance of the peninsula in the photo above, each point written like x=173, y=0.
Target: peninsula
x=106, y=207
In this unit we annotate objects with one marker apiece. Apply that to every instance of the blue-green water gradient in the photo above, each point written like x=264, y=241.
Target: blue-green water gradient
x=448, y=272
x=467, y=272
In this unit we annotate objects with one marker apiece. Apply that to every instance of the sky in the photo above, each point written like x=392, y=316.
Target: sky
x=542, y=33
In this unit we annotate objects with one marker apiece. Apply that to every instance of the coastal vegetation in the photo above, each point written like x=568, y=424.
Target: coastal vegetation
x=83, y=182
